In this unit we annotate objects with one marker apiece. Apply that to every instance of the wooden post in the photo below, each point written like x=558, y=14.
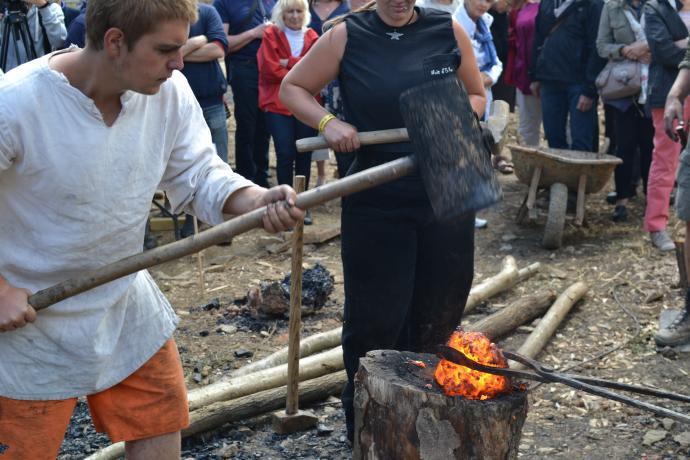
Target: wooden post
x=401, y=413
x=293, y=419
x=295, y=309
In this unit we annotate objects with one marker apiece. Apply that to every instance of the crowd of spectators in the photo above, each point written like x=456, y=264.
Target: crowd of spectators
x=542, y=56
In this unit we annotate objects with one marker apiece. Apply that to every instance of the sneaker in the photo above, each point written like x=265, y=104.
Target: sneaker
x=677, y=333
x=620, y=214
x=662, y=241
x=480, y=223
x=307, y=218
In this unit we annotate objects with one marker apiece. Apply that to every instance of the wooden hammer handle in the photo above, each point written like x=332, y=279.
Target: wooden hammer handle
x=292, y=403
x=351, y=184
x=385, y=136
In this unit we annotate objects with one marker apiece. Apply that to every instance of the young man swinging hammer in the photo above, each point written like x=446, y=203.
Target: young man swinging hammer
x=86, y=138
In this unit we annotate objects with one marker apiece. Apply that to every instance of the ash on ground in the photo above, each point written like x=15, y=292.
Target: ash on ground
x=247, y=440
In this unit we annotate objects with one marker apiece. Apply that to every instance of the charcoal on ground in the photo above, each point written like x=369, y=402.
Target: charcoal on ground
x=272, y=298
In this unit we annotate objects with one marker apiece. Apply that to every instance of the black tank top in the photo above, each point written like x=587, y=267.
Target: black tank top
x=380, y=62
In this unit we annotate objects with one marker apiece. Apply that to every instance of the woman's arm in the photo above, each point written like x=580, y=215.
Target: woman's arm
x=468, y=72
x=659, y=38
x=269, y=57
x=607, y=47
x=317, y=68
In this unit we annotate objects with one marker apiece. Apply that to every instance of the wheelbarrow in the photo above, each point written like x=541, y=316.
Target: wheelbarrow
x=559, y=170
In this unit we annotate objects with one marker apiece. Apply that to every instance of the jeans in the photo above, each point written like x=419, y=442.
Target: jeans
x=217, y=123
x=251, y=136
x=407, y=275
x=633, y=132
x=285, y=130
x=558, y=101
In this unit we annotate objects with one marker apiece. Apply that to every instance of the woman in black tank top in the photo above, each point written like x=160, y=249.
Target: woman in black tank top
x=407, y=276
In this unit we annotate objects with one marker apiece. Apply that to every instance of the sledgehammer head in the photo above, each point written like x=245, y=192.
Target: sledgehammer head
x=453, y=162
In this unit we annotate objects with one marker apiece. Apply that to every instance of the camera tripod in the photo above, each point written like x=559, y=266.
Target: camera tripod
x=15, y=25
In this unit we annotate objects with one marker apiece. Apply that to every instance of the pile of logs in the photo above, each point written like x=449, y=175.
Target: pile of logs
x=259, y=387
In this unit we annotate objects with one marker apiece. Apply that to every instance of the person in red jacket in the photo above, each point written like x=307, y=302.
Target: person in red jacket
x=283, y=45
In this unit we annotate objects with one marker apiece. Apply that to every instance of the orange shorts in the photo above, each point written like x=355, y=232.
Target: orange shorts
x=150, y=402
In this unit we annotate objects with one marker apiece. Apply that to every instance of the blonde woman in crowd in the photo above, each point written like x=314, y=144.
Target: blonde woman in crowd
x=284, y=43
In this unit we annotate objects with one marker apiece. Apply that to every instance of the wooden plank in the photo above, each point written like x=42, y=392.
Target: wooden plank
x=580, y=207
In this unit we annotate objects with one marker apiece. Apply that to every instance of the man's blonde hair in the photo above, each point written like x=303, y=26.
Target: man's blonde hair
x=284, y=5
x=134, y=18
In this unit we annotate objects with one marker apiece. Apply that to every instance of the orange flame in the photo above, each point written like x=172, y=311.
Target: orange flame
x=459, y=380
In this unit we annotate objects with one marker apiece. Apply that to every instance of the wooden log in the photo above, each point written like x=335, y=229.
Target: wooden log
x=400, y=413
x=217, y=414
x=309, y=368
x=528, y=271
x=549, y=323
x=516, y=314
x=308, y=346
x=504, y=280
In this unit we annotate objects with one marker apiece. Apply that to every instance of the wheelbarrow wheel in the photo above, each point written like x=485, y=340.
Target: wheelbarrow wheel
x=555, y=221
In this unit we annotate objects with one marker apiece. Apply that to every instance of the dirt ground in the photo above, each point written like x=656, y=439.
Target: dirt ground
x=629, y=284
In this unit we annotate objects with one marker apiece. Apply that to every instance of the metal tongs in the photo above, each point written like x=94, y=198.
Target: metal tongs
x=595, y=386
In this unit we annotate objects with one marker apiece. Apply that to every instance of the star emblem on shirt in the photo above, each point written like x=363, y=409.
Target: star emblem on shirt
x=395, y=35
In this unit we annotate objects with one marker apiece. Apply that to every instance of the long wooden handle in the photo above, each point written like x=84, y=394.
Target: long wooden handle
x=292, y=403
x=385, y=136
x=351, y=184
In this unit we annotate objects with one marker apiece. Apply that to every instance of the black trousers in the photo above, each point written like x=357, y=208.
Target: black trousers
x=407, y=276
x=251, y=135
x=634, y=133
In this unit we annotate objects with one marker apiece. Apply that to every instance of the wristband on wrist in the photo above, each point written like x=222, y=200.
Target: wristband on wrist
x=324, y=121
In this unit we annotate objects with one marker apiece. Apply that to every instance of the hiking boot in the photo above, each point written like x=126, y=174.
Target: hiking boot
x=662, y=241
x=677, y=333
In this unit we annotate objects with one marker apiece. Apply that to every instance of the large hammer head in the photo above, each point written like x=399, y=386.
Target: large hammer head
x=453, y=161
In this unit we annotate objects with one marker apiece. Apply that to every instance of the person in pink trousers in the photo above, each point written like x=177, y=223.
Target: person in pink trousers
x=667, y=35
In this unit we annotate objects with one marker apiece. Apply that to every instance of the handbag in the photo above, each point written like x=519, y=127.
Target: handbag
x=620, y=79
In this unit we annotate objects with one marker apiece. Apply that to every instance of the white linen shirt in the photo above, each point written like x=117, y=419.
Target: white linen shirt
x=74, y=196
